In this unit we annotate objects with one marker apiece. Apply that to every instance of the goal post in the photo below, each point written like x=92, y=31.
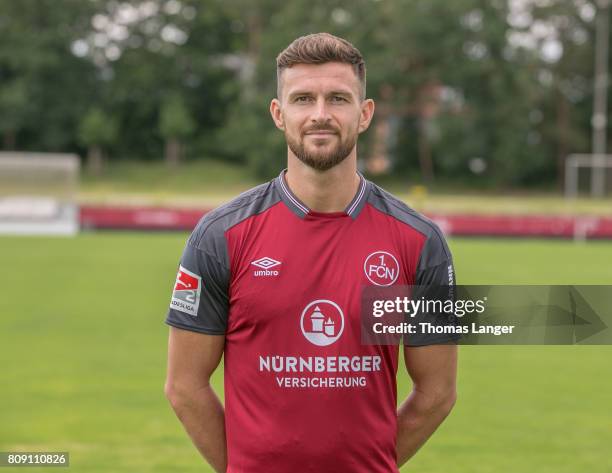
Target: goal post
x=597, y=163
x=38, y=193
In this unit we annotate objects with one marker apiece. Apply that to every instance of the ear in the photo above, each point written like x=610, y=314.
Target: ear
x=276, y=112
x=367, y=113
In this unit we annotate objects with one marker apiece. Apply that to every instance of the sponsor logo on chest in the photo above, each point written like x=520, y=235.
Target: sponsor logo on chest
x=322, y=323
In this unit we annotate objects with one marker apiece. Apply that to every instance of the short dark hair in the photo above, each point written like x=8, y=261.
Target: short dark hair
x=319, y=48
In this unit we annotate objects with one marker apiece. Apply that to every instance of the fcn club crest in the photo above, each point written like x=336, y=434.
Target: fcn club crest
x=381, y=268
x=186, y=294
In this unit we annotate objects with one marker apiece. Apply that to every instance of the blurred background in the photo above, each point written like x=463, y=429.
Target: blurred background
x=471, y=94
x=122, y=122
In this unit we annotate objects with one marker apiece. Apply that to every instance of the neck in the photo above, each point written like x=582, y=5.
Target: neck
x=323, y=191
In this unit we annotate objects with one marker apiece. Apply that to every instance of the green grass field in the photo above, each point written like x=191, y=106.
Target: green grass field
x=83, y=349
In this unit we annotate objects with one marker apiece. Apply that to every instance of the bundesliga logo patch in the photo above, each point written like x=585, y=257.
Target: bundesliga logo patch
x=186, y=294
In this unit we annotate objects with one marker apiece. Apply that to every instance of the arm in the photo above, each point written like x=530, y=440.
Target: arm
x=433, y=370
x=192, y=358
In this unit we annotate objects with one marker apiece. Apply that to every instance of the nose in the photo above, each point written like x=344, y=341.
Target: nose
x=320, y=113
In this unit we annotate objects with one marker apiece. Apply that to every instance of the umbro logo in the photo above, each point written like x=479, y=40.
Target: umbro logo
x=265, y=264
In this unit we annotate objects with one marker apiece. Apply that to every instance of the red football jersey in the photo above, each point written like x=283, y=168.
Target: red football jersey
x=283, y=284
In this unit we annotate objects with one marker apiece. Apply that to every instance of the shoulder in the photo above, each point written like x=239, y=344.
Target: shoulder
x=435, y=246
x=215, y=223
x=390, y=205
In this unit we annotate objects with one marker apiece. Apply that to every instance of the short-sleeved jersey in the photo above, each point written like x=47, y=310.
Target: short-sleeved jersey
x=283, y=284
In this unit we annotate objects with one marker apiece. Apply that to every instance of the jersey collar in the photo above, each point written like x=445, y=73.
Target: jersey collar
x=301, y=210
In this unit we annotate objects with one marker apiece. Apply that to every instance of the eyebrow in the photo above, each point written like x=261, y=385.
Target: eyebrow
x=297, y=93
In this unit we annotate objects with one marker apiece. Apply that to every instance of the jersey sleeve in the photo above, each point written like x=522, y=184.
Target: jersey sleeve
x=200, y=301
x=435, y=281
x=436, y=263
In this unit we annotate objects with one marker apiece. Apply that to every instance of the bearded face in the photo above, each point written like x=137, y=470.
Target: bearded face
x=320, y=113
x=322, y=146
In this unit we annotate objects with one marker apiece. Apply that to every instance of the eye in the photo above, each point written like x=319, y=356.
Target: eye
x=302, y=99
x=338, y=98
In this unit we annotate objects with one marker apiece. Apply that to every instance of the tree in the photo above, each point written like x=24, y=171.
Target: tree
x=145, y=53
x=97, y=130
x=13, y=111
x=567, y=87
x=175, y=124
x=43, y=86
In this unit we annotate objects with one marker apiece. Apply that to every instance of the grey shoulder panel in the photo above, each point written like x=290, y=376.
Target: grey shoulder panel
x=200, y=299
x=435, y=251
x=209, y=233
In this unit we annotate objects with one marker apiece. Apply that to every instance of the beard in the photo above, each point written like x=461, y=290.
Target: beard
x=321, y=158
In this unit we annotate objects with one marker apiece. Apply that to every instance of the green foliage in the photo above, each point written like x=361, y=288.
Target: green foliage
x=459, y=83
x=174, y=118
x=44, y=88
x=251, y=137
x=97, y=128
x=13, y=105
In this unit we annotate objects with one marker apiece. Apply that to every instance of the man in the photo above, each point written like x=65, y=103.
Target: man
x=273, y=281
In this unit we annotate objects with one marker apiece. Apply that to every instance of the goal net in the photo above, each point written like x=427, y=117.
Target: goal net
x=38, y=193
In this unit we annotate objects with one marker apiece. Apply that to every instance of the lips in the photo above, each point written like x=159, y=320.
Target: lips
x=321, y=133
